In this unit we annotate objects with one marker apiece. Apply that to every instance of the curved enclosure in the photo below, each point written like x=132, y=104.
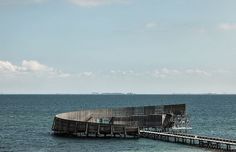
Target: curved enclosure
x=126, y=121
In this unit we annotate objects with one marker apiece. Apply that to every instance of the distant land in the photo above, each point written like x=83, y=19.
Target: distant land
x=112, y=93
x=117, y=93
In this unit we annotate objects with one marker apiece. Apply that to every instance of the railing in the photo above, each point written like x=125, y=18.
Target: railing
x=191, y=139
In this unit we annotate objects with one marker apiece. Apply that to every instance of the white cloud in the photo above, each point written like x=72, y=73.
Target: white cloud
x=122, y=72
x=6, y=66
x=87, y=74
x=30, y=67
x=165, y=72
x=93, y=3
x=227, y=26
x=197, y=72
x=151, y=25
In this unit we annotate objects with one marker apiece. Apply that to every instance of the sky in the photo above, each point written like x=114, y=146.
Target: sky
x=139, y=46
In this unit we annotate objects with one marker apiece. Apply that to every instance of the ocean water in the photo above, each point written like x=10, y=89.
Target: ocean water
x=25, y=121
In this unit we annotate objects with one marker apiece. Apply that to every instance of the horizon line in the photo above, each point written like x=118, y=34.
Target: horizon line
x=118, y=94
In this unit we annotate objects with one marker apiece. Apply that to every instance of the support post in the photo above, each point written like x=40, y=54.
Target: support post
x=124, y=132
x=87, y=129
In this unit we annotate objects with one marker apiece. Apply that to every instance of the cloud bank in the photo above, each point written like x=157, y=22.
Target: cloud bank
x=35, y=67
x=165, y=73
x=30, y=67
x=31, y=76
x=227, y=26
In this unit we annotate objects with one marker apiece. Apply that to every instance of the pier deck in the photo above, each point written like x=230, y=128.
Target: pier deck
x=194, y=140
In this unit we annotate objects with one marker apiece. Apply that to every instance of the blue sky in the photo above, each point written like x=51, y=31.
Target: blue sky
x=140, y=46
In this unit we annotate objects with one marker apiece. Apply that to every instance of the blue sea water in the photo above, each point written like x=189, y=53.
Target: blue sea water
x=25, y=121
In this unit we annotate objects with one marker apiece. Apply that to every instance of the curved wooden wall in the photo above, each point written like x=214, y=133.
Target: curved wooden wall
x=114, y=121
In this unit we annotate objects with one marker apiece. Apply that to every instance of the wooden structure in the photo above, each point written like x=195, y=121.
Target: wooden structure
x=123, y=122
x=136, y=122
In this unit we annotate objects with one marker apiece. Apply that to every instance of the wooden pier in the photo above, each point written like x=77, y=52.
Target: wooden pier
x=193, y=140
x=135, y=122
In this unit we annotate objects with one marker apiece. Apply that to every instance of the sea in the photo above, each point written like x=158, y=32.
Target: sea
x=26, y=120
